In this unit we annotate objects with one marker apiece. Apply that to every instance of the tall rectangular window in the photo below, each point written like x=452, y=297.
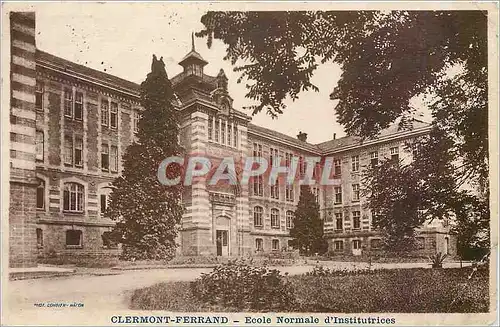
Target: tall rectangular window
x=289, y=219
x=275, y=190
x=235, y=136
x=337, y=164
x=338, y=194
x=136, y=121
x=217, y=130
x=78, y=105
x=104, y=202
x=223, y=132
x=275, y=218
x=229, y=134
x=257, y=150
x=40, y=194
x=355, y=163
x=289, y=196
x=210, y=127
x=339, y=221
x=68, y=103
x=113, y=158
x=113, y=123
x=338, y=246
x=78, y=151
x=39, y=90
x=39, y=237
x=394, y=154
x=39, y=144
x=374, y=158
x=258, y=186
x=356, y=220
x=257, y=216
x=355, y=192
x=104, y=112
x=105, y=157
x=68, y=150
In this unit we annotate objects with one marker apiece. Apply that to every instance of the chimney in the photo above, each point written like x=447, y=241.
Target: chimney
x=334, y=136
x=302, y=136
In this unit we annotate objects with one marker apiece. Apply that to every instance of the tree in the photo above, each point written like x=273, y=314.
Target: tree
x=307, y=231
x=146, y=212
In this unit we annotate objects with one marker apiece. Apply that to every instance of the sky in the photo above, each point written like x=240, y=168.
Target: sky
x=120, y=39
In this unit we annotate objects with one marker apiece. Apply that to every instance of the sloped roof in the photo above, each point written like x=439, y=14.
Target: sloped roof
x=93, y=75
x=193, y=55
x=283, y=137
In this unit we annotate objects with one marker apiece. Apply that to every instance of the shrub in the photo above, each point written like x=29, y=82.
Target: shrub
x=239, y=285
x=438, y=259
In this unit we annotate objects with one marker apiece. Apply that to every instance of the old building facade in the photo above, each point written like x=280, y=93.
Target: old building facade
x=70, y=126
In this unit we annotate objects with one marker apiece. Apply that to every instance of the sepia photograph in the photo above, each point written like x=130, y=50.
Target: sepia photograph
x=249, y=164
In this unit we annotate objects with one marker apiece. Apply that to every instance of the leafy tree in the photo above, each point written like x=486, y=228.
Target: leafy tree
x=146, y=212
x=307, y=232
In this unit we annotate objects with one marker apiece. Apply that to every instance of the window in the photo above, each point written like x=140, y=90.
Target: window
x=338, y=195
x=210, y=127
x=217, y=130
x=374, y=159
x=302, y=166
x=273, y=157
x=39, y=238
x=275, y=190
x=337, y=164
x=39, y=90
x=105, y=157
x=74, y=238
x=258, y=186
x=257, y=216
x=40, y=194
x=104, y=112
x=113, y=117
x=275, y=218
x=339, y=221
x=356, y=244
x=68, y=150
x=103, y=203
x=73, y=197
x=257, y=150
x=355, y=192
x=229, y=134
x=136, y=121
x=375, y=243
x=289, y=219
x=108, y=241
x=276, y=245
x=289, y=193
x=356, y=220
x=223, y=132
x=78, y=105
x=394, y=154
x=338, y=246
x=235, y=132
x=68, y=103
x=39, y=145
x=288, y=159
x=78, y=151
x=259, y=244
x=113, y=158
x=420, y=243
x=355, y=163
x=315, y=192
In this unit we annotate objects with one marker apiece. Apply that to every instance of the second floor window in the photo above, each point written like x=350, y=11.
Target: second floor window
x=257, y=216
x=235, y=136
x=223, y=132
x=259, y=244
x=289, y=219
x=40, y=194
x=113, y=158
x=374, y=159
x=73, y=197
x=258, y=186
x=73, y=151
x=275, y=218
x=289, y=196
x=105, y=157
x=78, y=105
x=68, y=103
x=104, y=112
x=355, y=192
x=338, y=195
x=257, y=150
x=356, y=220
x=113, y=116
x=339, y=221
x=355, y=163
x=39, y=90
x=73, y=105
x=275, y=190
x=136, y=121
x=39, y=145
x=337, y=164
x=210, y=127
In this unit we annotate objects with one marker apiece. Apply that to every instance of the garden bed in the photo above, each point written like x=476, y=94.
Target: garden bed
x=398, y=290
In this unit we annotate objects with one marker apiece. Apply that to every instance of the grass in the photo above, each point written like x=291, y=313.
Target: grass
x=398, y=290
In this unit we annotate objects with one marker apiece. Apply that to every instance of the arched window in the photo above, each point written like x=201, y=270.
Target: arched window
x=257, y=216
x=40, y=194
x=73, y=197
x=289, y=219
x=275, y=218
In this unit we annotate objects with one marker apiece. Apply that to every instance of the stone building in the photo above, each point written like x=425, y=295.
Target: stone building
x=70, y=125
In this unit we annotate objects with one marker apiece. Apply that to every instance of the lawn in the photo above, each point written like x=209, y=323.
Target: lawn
x=398, y=290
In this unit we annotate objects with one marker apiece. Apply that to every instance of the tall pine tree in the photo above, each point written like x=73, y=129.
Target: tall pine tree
x=146, y=212
x=307, y=231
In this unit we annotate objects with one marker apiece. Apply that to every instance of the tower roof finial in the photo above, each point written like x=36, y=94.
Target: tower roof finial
x=192, y=42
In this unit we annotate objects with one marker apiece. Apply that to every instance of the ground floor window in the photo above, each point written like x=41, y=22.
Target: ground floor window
x=356, y=244
x=338, y=245
x=39, y=237
x=276, y=245
x=74, y=238
x=376, y=243
x=259, y=244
